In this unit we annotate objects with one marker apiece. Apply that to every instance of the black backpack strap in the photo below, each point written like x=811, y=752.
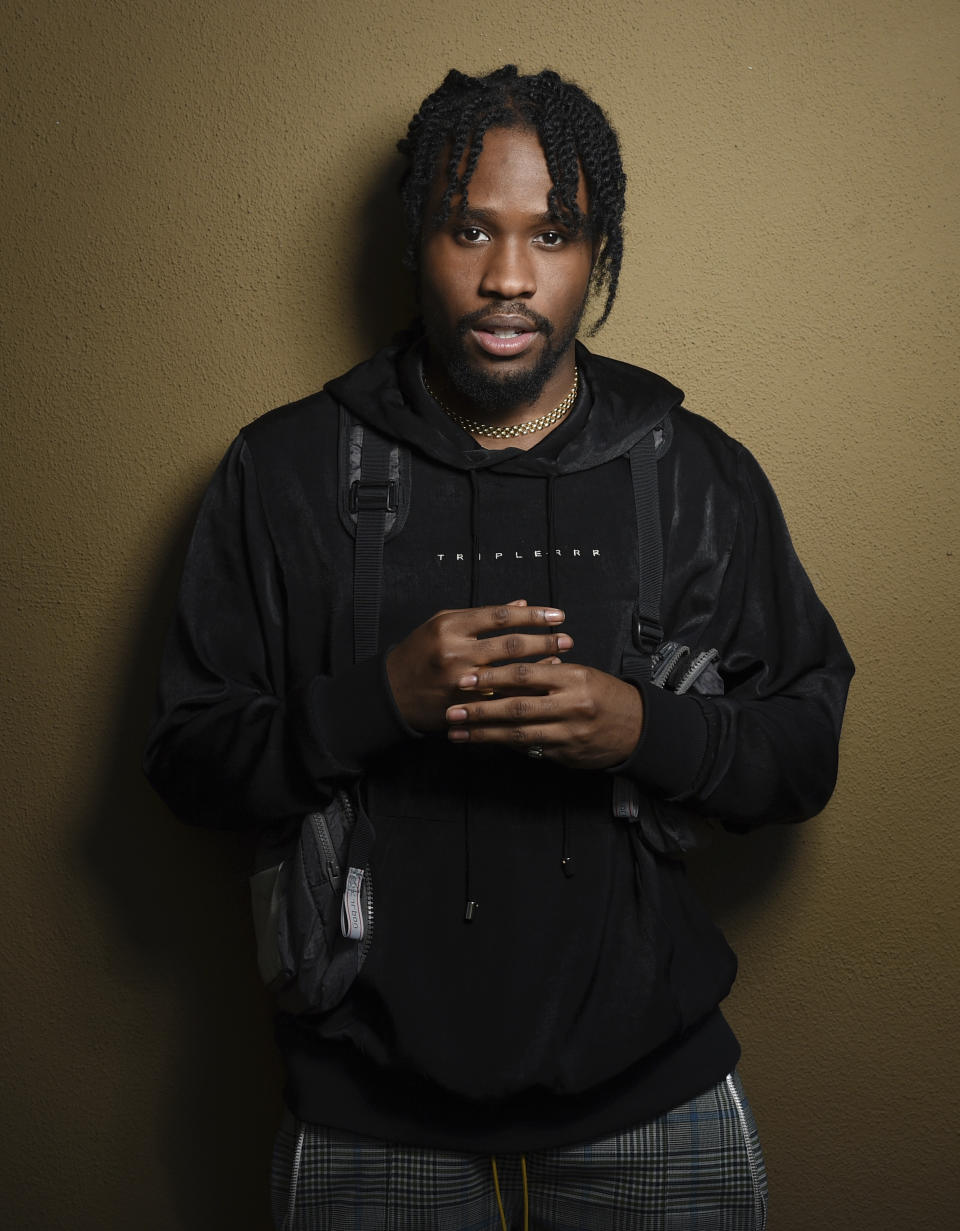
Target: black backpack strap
x=666, y=664
x=647, y=631
x=373, y=502
x=371, y=497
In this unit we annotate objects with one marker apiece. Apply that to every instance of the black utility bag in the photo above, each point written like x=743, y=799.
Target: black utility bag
x=313, y=907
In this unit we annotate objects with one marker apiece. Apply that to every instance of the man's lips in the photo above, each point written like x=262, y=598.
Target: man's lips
x=503, y=345
x=504, y=335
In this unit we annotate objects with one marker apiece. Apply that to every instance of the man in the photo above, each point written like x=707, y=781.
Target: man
x=535, y=1031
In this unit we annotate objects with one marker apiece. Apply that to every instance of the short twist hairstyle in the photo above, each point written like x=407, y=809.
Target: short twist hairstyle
x=573, y=132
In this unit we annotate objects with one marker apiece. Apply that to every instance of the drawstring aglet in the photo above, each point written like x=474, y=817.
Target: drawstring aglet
x=470, y=913
x=567, y=864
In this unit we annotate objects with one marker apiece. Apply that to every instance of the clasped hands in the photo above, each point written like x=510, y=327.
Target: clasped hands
x=462, y=671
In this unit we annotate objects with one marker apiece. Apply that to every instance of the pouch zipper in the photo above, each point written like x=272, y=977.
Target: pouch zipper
x=322, y=834
x=366, y=900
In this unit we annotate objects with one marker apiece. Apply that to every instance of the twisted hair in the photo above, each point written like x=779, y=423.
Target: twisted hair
x=573, y=132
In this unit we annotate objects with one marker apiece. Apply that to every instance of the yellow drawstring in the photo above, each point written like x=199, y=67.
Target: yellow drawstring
x=526, y=1195
x=496, y=1189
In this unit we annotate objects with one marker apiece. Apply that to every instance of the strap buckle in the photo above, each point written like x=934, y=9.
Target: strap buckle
x=647, y=634
x=366, y=494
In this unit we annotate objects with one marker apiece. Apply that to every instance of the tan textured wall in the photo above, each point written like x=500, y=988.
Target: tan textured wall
x=193, y=231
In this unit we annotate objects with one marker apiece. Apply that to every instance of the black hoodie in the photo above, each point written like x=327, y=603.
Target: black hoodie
x=572, y=1005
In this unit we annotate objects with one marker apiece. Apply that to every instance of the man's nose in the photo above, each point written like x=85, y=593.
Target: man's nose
x=509, y=271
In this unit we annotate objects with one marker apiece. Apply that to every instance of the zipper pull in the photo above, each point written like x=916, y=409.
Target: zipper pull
x=351, y=908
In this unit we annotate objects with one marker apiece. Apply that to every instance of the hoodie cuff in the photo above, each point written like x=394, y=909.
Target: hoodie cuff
x=670, y=751
x=353, y=714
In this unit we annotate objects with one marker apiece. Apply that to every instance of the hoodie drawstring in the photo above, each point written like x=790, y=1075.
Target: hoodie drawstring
x=526, y=1195
x=474, y=538
x=566, y=858
x=552, y=586
x=471, y=905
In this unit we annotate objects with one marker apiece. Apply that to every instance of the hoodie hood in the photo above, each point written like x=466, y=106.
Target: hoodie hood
x=625, y=403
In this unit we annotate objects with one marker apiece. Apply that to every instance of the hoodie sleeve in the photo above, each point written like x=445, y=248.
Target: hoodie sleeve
x=235, y=742
x=766, y=750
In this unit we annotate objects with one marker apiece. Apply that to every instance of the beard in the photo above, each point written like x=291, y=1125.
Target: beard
x=499, y=391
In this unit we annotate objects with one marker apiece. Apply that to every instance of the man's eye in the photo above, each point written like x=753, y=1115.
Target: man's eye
x=473, y=235
x=551, y=239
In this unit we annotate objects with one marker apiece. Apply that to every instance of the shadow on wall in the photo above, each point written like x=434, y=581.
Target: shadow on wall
x=179, y=897
x=384, y=299
x=737, y=873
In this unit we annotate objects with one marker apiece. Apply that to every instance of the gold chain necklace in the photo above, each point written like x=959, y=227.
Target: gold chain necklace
x=476, y=428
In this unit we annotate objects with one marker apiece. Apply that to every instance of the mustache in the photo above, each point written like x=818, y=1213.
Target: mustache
x=466, y=323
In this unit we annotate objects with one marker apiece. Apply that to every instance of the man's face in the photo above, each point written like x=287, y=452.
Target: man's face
x=502, y=284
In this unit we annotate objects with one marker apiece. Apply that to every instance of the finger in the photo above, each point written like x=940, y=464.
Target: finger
x=468, y=683
x=514, y=710
x=544, y=675
x=521, y=645
x=464, y=619
x=515, y=614
x=523, y=737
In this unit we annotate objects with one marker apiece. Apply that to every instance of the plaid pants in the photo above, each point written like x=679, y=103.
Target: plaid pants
x=697, y=1168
